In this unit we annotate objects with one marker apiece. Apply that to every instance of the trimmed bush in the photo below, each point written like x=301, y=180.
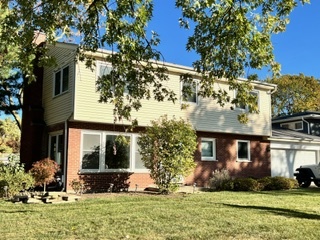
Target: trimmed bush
x=13, y=176
x=245, y=184
x=277, y=183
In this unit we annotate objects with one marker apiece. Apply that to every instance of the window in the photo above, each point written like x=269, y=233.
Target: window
x=138, y=164
x=189, y=92
x=285, y=126
x=118, y=152
x=105, y=69
x=298, y=126
x=245, y=107
x=243, y=150
x=91, y=151
x=208, y=149
x=293, y=125
x=61, y=81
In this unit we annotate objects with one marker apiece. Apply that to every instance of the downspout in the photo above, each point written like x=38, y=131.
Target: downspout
x=66, y=132
x=65, y=154
x=308, y=124
x=272, y=92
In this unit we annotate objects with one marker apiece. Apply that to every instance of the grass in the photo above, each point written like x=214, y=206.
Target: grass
x=293, y=214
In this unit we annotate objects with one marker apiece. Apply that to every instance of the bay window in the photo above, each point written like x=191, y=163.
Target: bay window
x=109, y=151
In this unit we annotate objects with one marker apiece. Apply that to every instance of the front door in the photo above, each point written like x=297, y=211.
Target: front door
x=56, y=151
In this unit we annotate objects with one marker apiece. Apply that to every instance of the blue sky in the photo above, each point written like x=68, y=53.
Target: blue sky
x=297, y=49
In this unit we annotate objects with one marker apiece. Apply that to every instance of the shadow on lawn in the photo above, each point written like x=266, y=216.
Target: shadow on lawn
x=300, y=191
x=279, y=211
x=16, y=211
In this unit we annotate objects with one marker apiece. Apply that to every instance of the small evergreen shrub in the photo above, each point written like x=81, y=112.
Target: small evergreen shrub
x=265, y=183
x=277, y=183
x=13, y=176
x=220, y=180
x=245, y=184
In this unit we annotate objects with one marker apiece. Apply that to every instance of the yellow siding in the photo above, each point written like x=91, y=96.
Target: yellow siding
x=81, y=100
x=58, y=108
x=87, y=107
x=207, y=115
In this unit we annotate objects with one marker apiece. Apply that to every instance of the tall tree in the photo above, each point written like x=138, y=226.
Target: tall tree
x=11, y=90
x=228, y=35
x=9, y=136
x=295, y=93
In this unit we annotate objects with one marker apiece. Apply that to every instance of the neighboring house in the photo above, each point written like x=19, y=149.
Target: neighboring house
x=295, y=141
x=63, y=119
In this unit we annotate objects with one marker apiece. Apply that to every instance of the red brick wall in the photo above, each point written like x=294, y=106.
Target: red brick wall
x=226, y=154
x=73, y=156
x=226, y=148
x=97, y=181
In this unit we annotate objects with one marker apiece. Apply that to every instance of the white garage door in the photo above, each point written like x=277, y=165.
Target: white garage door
x=285, y=161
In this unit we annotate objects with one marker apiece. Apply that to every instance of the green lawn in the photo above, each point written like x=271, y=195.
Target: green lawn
x=293, y=214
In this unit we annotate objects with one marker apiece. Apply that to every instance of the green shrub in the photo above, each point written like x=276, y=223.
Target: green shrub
x=167, y=149
x=220, y=180
x=277, y=183
x=265, y=183
x=13, y=176
x=245, y=184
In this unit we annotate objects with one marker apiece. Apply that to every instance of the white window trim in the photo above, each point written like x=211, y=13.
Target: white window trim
x=246, y=109
x=297, y=129
x=53, y=134
x=103, y=134
x=249, y=152
x=214, y=153
x=61, y=80
x=81, y=152
x=101, y=63
x=292, y=125
x=197, y=97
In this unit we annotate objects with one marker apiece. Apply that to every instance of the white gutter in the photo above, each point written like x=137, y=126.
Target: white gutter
x=303, y=120
x=296, y=118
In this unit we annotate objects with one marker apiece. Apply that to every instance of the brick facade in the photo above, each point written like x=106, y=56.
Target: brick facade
x=226, y=155
x=226, y=152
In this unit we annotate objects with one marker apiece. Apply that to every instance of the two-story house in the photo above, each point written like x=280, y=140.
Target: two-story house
x=63, y=120
x=295, y=141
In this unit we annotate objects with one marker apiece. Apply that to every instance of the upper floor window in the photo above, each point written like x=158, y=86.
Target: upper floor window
x=61, y=81
x=208, y=149
x=243, y=150
x=246, y=107
x=189, y=92
x=104, y=69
